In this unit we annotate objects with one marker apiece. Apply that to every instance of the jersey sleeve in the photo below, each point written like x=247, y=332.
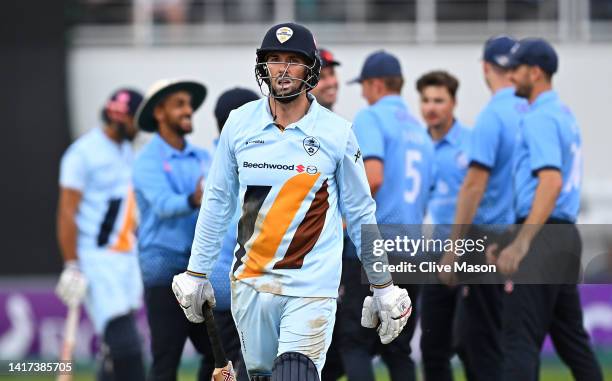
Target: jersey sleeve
x=358, y=207
x=369, y=136
x=73, y=170
x=542, y=139
x=151, y=183
x=485, y=140
x=218, y=204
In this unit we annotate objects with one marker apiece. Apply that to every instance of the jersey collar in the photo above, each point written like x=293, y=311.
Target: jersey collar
x=169, y=152
x=393, y=99
x=504, y=93
x=306, y=123
x=545, y=97
x=453, y=134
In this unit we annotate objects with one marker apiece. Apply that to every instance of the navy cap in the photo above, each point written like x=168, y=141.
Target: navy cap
x=534, y=52
x=288, y=37
x=124, y=100
x=327, y=58
x=497, y=49
x=379, y=64
x=231, y=100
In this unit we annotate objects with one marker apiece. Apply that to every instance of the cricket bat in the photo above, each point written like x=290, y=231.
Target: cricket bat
x=224, y=371
x=70, y=330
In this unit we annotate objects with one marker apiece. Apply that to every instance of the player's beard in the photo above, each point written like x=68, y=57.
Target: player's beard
x=124, y=133
x=523, y=90
x=176, y=126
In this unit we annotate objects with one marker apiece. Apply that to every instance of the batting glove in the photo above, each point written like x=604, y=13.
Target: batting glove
x=394, y=308
x=72, y=285
x=191, y=293
x=369, y=315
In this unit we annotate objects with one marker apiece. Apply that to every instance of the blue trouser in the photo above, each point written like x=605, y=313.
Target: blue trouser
x=270, y=324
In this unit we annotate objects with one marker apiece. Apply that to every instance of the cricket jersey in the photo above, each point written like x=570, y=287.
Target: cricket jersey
x=100, y=169
x=387, y=132
x=292, y=187
x=164, y=177
x=492, y=146
x=451, y=166
x=549, y=138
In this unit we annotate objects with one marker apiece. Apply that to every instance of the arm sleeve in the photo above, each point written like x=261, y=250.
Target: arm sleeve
x=151, y=183
x=369, y=136
x=484, y=140
x=73, y=170
x=542, y=138
x=218, y=205
x=358, y=208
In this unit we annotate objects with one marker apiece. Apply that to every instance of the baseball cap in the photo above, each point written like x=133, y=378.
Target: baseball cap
x=534, y=52
x=327, y=58
x=231, y=100
x=379, y=64
x=497, y=49
x=123, y=100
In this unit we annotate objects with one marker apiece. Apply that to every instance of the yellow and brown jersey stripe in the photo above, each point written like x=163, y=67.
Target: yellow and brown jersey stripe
x=125, y=237
x=277, y=222
x=308, y=232
x=254, y=197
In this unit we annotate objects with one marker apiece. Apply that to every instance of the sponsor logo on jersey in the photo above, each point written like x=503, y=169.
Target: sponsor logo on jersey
x=311, y=145
x=357, y=155
x=256, y=141
x=282, y=167
x=311, y=169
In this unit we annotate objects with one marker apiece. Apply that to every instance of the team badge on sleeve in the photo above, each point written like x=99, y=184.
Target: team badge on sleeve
x=311, y=145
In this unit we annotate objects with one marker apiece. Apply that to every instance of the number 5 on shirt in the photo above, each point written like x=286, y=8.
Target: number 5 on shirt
x=412, y=158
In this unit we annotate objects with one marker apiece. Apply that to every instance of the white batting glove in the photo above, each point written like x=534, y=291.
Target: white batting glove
x=394, y=308
x=369, y=315
x=72, y=285
x=191, y=292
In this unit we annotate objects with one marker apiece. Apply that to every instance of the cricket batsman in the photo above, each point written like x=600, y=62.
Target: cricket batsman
x=95, y=230
x=296, y=170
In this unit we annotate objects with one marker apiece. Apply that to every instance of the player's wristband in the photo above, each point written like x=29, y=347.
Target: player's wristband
x=196, y=274
x=380, y=292
x=71, y=264
x=375, y=288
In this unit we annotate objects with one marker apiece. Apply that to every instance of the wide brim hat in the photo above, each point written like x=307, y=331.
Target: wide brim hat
x=158, y=91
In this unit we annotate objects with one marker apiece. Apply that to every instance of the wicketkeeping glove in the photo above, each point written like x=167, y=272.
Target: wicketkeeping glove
x=191, y=293
x=72, y=285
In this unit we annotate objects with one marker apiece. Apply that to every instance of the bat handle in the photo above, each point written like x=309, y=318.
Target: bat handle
x=213, y=336
x=70, y=331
